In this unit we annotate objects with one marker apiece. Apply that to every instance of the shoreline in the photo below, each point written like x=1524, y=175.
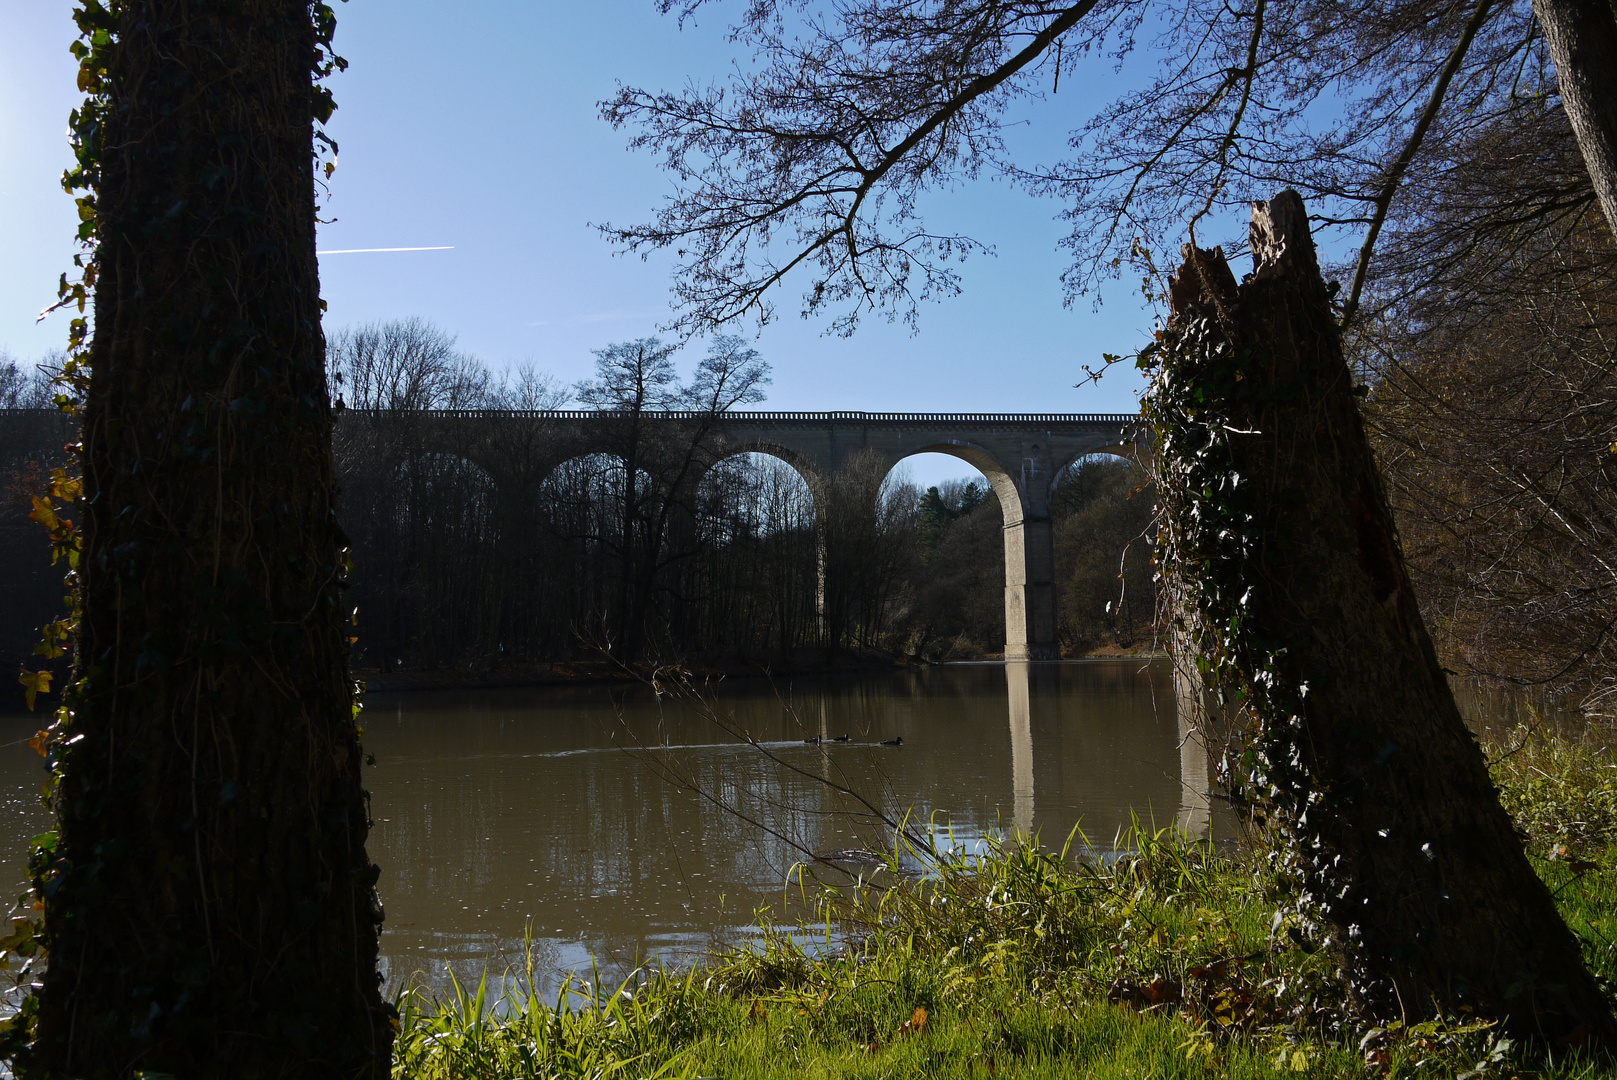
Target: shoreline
x=607, y=673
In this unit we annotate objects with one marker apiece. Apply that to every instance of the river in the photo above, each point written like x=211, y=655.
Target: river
x=620, y=827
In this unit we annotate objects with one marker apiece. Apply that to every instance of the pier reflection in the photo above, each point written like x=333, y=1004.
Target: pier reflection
x=1018, y=697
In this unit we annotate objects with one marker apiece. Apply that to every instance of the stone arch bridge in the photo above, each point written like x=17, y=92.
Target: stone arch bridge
x=1021, y=454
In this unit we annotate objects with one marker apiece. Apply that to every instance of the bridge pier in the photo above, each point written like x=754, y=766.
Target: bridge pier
x=1030, y=590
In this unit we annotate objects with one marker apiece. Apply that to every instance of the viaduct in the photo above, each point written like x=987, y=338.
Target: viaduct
x=1021, y=454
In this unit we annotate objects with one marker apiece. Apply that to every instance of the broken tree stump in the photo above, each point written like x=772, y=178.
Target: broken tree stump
x=1280, y=547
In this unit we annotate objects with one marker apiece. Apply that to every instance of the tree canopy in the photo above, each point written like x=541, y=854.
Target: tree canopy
x=810, y=163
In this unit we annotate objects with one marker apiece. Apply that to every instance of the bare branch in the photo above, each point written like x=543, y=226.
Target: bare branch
x=1395, y=173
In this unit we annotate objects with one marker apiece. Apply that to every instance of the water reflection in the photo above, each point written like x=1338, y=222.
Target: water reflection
x=625, y=827
x=1018, y=696
x=629, y=826
x=1195, y=781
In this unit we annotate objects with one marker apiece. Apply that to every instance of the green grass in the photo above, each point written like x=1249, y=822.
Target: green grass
x=1561, y=790
x=1169, y=962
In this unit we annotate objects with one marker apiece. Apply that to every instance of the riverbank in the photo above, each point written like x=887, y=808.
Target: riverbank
x=603, y=671
x=1166, y=962
x=759, y=665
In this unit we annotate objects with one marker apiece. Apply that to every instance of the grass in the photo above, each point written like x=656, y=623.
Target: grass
x=1167, y=962
x=1561, y=789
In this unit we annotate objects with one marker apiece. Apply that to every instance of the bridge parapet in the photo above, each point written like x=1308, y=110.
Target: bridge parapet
x=731, y=416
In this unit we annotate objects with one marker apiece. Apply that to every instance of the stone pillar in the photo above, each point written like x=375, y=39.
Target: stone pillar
x=1030, y=591
x=820, y=559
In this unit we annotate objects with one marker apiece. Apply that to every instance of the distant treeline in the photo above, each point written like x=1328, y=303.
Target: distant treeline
x=32, y=442
x=653, y=548
x=659, y=547
x=455, y=568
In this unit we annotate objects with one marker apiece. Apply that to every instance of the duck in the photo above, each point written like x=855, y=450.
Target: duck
x=895, y=741
x=843, y=738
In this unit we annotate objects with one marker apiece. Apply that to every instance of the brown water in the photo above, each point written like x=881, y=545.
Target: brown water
x=620, y=827
x=626, y=827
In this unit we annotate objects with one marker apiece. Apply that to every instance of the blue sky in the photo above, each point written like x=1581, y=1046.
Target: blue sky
x=474, y=125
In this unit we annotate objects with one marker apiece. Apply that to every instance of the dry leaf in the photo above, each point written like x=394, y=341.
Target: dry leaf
x=915, y=1024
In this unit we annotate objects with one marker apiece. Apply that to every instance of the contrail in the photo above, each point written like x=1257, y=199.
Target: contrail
x=363, y=251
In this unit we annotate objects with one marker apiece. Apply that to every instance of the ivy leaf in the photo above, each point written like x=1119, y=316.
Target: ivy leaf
x=34, y=683
x=324, y=104
x=42, y=740
x=45, y=514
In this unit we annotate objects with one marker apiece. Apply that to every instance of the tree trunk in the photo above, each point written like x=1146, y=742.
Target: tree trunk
x=1582, y=36
x=1294, y=590
x=209, y=905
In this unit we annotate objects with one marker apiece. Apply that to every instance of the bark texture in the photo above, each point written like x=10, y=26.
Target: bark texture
x=1582, y=35
x=1405, y=851
x=210, y=908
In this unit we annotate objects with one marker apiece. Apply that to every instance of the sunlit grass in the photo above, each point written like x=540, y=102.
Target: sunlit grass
x=1561, y=790
x=1166, y=961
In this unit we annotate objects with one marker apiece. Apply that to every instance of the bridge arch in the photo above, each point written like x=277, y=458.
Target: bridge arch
x=1030, y=592
x=1063, y=466
x=581, y=488
x=799, y=463
x=806, y=481
x=439, y=490
x=984, y=461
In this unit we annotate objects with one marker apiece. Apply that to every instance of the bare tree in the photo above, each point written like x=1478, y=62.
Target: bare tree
x=1582, y=37
x=660, y=464
x=753, y=586
x=1486, y=345
x=813, y=160
x=1495, y=426
x=870, y=523
x=405, y=365
x=633, y=377
x=527, y=389
x=24, y=386
x=731, y=373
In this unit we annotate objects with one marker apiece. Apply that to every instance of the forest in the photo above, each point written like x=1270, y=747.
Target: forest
x=452, y=574
x=457, y=571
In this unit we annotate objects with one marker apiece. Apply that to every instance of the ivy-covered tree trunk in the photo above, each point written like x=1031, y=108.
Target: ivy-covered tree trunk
x=209, y=905
x=1293, y=590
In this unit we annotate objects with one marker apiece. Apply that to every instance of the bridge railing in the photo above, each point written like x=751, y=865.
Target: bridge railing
x=681, y=414
x=771, y=417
